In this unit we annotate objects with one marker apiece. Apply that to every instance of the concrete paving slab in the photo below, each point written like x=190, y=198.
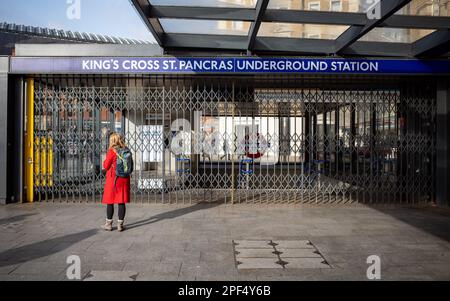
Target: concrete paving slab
x=253, y=244
x=152, y=276
x=289, y=253
x=255, y=253
x=289, y=278
x=111, y=276
x=245, y=278
x=31, y=277
x=259, y=263
x=306, y=263
x=102, y=266
x=154, y=255
x=293, y=244
x=39, y=267
x=215, y=257
x=6, y=267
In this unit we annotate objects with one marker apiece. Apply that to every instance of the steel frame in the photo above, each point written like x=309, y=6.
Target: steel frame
x=346, y=44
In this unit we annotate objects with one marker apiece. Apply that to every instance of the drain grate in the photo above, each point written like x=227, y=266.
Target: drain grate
x=278, y=254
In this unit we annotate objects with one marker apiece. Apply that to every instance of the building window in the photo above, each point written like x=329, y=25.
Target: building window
x=335, y=5
x=314, y=5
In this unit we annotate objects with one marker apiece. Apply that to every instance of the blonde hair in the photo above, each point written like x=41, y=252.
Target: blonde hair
x=116, y=141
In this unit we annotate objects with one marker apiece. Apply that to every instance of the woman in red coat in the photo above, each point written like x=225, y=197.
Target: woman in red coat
x=117, y=190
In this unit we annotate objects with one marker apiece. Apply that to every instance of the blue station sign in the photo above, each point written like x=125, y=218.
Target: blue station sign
x=244, y=65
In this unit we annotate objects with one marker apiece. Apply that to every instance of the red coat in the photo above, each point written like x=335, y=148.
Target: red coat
x=120, y=192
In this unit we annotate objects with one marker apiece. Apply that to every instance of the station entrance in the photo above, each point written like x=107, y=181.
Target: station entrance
x=238, y=139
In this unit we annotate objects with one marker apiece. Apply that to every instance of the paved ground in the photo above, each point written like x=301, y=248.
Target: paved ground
x=167, y=242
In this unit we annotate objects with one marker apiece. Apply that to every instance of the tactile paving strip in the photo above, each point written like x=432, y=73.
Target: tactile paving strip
x=278, y=254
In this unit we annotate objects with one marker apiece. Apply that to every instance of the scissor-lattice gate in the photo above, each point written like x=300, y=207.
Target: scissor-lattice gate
x=238, y=139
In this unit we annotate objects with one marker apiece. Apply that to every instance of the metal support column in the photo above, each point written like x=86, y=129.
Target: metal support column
x=16, y=130
x=29, y=141
x=4, y=63
x=442, y=143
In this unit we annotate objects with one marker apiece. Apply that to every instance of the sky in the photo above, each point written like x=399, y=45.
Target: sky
x=107, y=17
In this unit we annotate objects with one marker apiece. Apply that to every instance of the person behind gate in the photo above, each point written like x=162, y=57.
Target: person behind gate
x=118, y=166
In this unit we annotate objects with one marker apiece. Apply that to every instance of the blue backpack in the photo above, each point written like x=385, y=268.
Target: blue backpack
x=125, y=163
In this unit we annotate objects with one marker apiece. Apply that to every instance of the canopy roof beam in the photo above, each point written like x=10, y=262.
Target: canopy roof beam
x=261, y=7
x=294, y=16
x=434, y=44
x=355, y=32
x=143, y=8
x=284, y=45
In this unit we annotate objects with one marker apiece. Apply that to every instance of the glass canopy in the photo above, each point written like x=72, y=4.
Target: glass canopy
x=309, y=31
x=205, y=26
x=395, y=35
x=437, y=8
x=322, y=26
x=206, y=3
x=353, y=6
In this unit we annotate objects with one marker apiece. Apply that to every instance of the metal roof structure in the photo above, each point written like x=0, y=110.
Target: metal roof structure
x=67, y=35
x=354, y=39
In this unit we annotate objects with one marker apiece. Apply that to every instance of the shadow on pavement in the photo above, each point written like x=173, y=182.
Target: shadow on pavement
x=434, y=221
x=172, y=214
x=14, y=219
x=426, y=217
x=41, y=249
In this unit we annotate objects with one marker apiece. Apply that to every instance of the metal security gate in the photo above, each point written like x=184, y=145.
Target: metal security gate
x=238, y=139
